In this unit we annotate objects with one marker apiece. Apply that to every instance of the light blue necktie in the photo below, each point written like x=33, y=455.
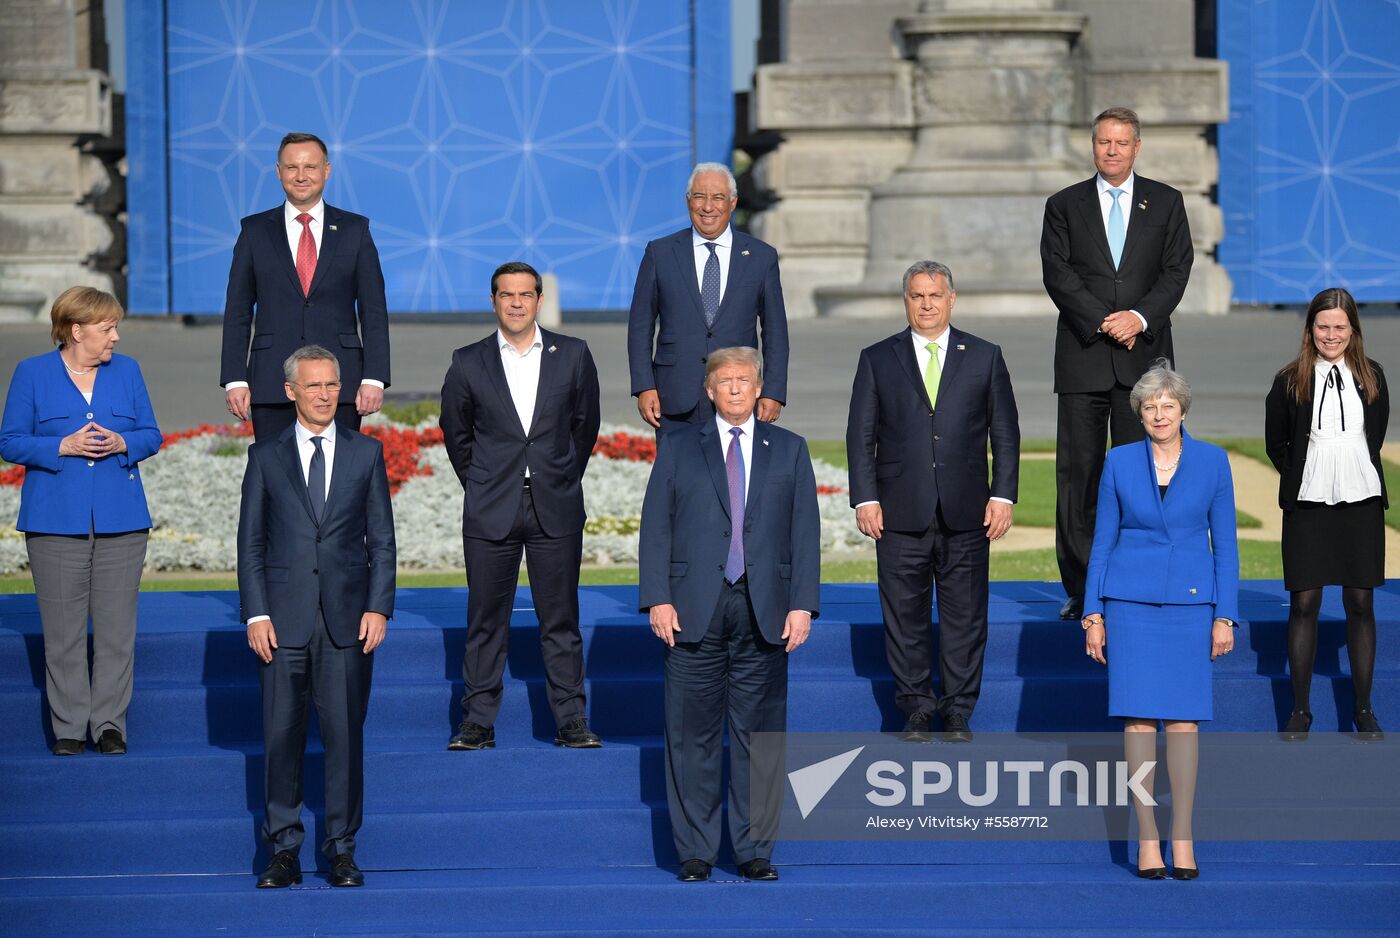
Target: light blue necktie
x=1117, y=228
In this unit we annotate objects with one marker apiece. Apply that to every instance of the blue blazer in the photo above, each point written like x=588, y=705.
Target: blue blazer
x=1175, y=551
x=667, y=290
x=894, y=437
x=345, y=311
x=71, y=494
x=685, y=529
x=289, y=566
x=490, y=449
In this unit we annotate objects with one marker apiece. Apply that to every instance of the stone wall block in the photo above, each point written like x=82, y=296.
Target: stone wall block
x=807, y=97
x=41, y=102
x=1186, y=91
x=38, y=167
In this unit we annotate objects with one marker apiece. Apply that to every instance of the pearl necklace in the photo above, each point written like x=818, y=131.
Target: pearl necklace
x=1179, y=449
x=73, y=371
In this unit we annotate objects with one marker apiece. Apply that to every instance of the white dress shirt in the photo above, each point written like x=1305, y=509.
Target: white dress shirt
x=522, y=374
x=1338, y=465
x=921, y=358
x=289, y=216
x=724, y=243
x=1125, y=202
x=745, y=446
x=305, y=450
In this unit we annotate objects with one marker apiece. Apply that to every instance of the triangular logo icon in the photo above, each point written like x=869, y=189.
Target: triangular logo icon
x=810, y=784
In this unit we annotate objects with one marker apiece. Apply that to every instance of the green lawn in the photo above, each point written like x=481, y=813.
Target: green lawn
x=1392, y=488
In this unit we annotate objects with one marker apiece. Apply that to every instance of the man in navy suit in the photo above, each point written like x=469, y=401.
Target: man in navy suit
x=730, y=573
x=520, y=419
x=316, y=567
x=1116, y=253
x=311, y=271
x=925, y=404
x=708, y=287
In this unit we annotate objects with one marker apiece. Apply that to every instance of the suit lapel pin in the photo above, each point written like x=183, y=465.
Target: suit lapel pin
x=1143, y=205
x=551, y=348
x=744, y=253
x=331, y=227
x=962, y=348
x=765, y=442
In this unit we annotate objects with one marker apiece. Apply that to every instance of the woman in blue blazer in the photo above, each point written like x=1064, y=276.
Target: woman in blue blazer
x=1164, y=580
x=79, y=420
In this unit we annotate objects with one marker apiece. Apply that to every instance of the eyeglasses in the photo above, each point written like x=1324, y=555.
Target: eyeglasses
x=332, y=387
x=700, y=198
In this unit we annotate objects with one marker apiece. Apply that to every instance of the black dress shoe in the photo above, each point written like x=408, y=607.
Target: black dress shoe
x=955, y=729
x=759, y=868
x=1296, y=730
x=344, y=872
x=1153, y=872
x=1073, y=608
x=67, y=747
x=576, y=735
x=916, y=728
x=694, y=871
x=473, y=736
x=283, y=871
x=110, y=743
x=1367, y=728
x=1185, y=872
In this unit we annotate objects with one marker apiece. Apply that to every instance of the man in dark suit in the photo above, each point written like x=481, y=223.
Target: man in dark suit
x=730, y=573
x=311, y=271
x=1115, y=252
x=316, y=567
x=925, y=404
x=520, y=420
x=709, y=287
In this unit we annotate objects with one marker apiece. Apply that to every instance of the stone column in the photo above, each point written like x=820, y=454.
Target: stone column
x=994, y=93
x=51, y=103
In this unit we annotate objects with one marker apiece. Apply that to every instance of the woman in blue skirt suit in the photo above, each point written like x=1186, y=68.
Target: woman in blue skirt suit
x=1164, y=584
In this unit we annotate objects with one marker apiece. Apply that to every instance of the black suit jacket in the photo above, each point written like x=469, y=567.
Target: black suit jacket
x=1084, y=285
x=667, y=290
x=894, y=438
x=490, y=450
x=1286, y=427
x=345, y=310
x=289, y=566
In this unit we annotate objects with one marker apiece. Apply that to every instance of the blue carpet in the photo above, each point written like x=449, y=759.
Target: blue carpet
x=535, y=840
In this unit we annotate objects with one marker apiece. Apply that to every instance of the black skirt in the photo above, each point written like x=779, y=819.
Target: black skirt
x=1334, y=545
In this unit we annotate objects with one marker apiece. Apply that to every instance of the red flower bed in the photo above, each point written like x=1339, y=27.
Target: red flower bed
x=627, y=446
x=401, y=449
x=12, y=476
x=831, y=490
x=209, y=429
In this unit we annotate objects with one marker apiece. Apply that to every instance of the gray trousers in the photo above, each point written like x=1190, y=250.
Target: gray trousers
x=77, y=578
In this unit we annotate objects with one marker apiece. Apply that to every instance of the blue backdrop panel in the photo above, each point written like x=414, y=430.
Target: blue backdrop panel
x=1309, y=162
x=559, y=132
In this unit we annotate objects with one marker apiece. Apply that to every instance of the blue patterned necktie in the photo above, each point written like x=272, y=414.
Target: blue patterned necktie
x=709, y=286
x=316, y=480
x=1117, y=228
x=734, y=469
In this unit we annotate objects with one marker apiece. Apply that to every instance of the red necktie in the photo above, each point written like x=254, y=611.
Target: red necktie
x=306, y=254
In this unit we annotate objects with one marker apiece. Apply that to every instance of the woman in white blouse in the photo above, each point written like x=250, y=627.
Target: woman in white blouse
x=1325, y=420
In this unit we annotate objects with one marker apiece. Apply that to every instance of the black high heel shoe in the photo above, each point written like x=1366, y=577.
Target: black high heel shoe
x=1186, y=872
x=1156, y=872
x=1296, y=730
x=1367, y=729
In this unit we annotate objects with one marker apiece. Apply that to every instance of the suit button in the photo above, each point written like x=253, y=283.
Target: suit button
x=702, y=360
x=719, y=566
x=726, y=533
x=1117, y=281
x=936, y=437
x=89, y=416
x=522, y=471
x=316, y=572
x=91, y=463
x=709, y=335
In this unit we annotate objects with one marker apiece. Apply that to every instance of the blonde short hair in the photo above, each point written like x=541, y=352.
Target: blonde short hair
x=734, y=355
x=81, y=306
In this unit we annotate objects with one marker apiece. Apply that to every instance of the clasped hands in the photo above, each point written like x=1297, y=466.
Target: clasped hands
x=1123, y=327
x=262, y=635
x=92, y=441
x=1222, y=637
x=649, y=406
x=368, y=400
x=665, y=624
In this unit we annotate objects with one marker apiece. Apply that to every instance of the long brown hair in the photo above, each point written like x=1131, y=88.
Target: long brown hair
x=1300, y=371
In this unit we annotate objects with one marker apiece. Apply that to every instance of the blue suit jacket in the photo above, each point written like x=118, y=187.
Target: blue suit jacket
x=685, y=529
x=894, y=438
x=1177, y=551
x=71, y=494
x=289, y=566
x=667, y=290
x=490, y=449
x=345, y=311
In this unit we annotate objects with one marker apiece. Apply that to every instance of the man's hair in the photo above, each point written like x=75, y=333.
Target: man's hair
x=308, y=353
x=713, y=168
x=517, y=267
x=734, y=355
x=933, y=269
x=302, y=138
x=81, y=306
x=1124, y=114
